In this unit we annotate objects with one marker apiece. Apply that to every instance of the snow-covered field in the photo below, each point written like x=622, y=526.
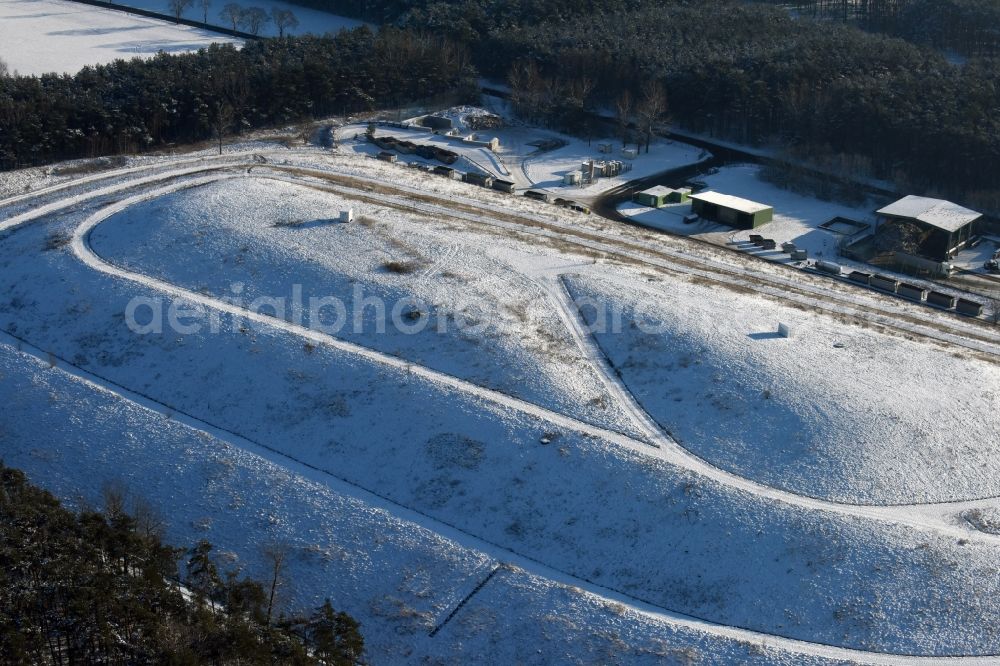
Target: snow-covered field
x=311, y=21
x=268, y=236
x=42, y=36
x=832, y=412
x=399, y=578
x=405, y=469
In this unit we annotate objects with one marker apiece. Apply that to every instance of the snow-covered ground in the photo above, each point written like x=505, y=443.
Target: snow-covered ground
x=796, y=217
x=43, y=36
x=524, y=159
x=311, y=21
x=973, y=258
x=547, y=169
x=268, y=236
x=833, y=412
x=398, y=577
x=445, y=456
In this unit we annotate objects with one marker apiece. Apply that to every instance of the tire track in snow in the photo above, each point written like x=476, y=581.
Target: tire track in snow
x=672, y=454
x=572, y=319
x=684, y=459
x=509, y=559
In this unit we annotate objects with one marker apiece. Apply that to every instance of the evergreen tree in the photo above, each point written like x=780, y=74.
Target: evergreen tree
x=91, y=588
x=335, y=637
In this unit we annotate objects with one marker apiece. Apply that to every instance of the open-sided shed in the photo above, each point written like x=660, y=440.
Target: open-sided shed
x=946, y=226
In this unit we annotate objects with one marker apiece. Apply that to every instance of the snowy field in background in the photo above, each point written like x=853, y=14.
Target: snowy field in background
x=311, y=21
x=42, y=36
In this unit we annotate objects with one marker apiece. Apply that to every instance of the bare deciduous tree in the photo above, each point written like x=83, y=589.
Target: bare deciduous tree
x=222, y=120
x=3, y=68
x=204, y=4
x=120, y=502
x=253, y=19
x=284, y=20
x=651, y=109
x=576, y=92
x=114, y=494
x=623, y=112
x=275, y=556
x=232, y=12
x=149, y=522
x=531, y=93
x=177, y=7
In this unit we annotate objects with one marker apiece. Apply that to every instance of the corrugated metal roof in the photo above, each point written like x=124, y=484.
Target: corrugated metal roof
x=935, y=212
x=729, y=201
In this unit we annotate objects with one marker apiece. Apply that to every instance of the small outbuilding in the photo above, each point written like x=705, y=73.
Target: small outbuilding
x=654, y=197
x=572, y=177
x=734, y=211
x=682, y=195
x=658, y=196
x=943, y=227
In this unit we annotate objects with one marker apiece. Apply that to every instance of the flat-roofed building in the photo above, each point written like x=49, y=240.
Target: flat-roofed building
x=734, y=211
x=658, y=196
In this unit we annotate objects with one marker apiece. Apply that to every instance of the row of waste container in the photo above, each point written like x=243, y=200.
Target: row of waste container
x=878, y=281
x=907, y=290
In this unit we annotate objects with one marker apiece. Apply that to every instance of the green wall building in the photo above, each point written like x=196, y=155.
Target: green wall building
x=730, y=210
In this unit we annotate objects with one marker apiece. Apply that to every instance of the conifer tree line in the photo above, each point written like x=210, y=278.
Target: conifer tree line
x=834, y=91
x=136, y=105
x=101, y=587
x=868, y=104
x=968, y=27
x=880, y=107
